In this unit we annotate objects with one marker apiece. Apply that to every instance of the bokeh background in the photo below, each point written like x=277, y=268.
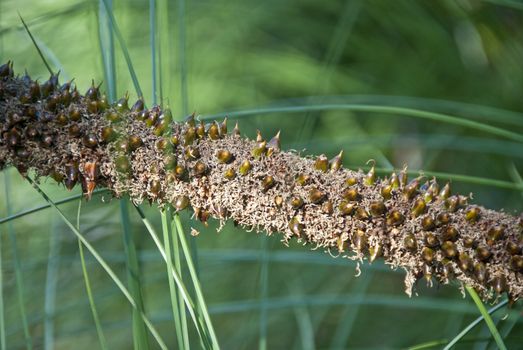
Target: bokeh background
x=307, y=61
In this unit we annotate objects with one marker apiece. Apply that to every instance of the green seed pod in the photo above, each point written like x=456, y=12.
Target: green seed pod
x=395, y=218
x=483, y=253
x=108, y=134
x=170, y=162
x=189, y=120
x=419, y=207
x=327, y=207
x=123, y=166
x=138, y=106
x=316, y=196
x=494, y=234
x=403, y=177
x=296, y=227
x=469, y=242
x=427, y=222
x=351, y=194
x=370, y=178
x=200, y=168
x=103, y=103
x=378, y=208
x=375, y=252
x=92, y=107
x=175, y=141
x=161, y=127
x=394, y=181
x=236, y=131
x=513, y=248
x=152, y=118
x=472, y=214
x=189, y=136
x=450, y=233
x=442, y=219
x=181, y=202
x=321, y=163
x=135, y=142
x=296, y=202
x=465, y=262
x=245, y=167
x=122, y=145
x=516, y=263
x=445, y=192
x=90, y=140
x=230, y=173
x=362, y=213
x=410, y=242
x=427, y=254
x=360, y=240
x=155, y=187
x=351, y=181
x=162, y=145
x=180, y=171
x=112, y=116
x=336, y=163
x=411, y=189
x=273, y=145
x=268, y=182
x=302, y=179
x=452, y=204
x=122, y=105
x=347, y=208
x=259, y=150
x=386, y=191
x=431, y=240
x=224, y=156
x=278, y=200
x=214, y=131
x=499, y=284
x=200, y=130
x=432, y=191
x=480, y=271
x=449, y=249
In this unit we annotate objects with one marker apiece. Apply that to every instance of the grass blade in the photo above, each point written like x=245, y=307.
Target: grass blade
x=50, y=288
x=106, y=42
x=486, y=316
x=152, y=36
x=264, y=291
x=20, y=290
x=133, y=278
x=36, y=45
x=103, y=263
x=399, y=111
x=3, y=344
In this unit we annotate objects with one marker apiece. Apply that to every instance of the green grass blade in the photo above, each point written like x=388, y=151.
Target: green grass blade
x=103, y=263
x=264, y=291
x=492, y=327
x=123, y=46
x=133, y=278
x=182, y=56
x=152, y=39
x=50, y=288
x=106, y=42
x=398, y=111
x=3, y=344
x=36, y=45
x=196, y=282
x=198, y=323
x=92, y=305
x=178, y=309
x=20, y=290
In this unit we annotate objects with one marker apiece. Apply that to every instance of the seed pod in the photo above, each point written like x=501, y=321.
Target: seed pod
x=138, y=106
x=34, y=90
x=71, y=175
x=450, y=233
x=321, y=163
x=47, y=140
x=472, y=214
x=336, y=163
x=394, y=181
x=223, y=127
x=192, y=152
x=362, y=213
x=360, y=240
x=214, y=131
x=296, y=227
x=236, y=131
x=245, y=167
x=180, y=172
x=418, y=208
x=296, y=202
x=445, y=192
x=224, y=156
x=302, y=179
x=494, y=234
x=61, y=119
x=370, y=178
x=465, y=262
x=200, y=130
x=31, y=132
x=375, y=252
x=123, y=166
x=446, y=269
x=513, y=248
x=386, y=191
x=175, y=140
x=273, y=145
x=268, y=182
x=351, y=194
x=181, y=202
x=200, y=168
x=162, y=145
x=469, y=242
x=452, y=203
x=442, y=219
x=6, y=70
x=480, y=271
x=516, y=263
x=229, y=174
x=13, y=138
x=122, y=105
x=189, y=136
x=378, y=208
x=351, y=181
x=56, y=176
x=259, y=150
x=327, y=207
x=427, y=254
x=169, y=162
x=112, y=116
x=427, y=222
x=499, y=284
x=189, y=120
x=93, y=92
x=90, y=140
x=316, y=196
x=403, y=177
x=152, y=118
x=135, y=142
x=410, y=190
x=431, y=240
x=22, y=153
x=395, y=218
x=346, y=208
x=91, y=172
x=410, y=242
x=278, y=200
x=155, y=187
x=432, y=191
x=483, y=253
x=450, y=250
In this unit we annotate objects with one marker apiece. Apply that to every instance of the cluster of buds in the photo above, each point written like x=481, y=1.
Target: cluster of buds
x=413, y=224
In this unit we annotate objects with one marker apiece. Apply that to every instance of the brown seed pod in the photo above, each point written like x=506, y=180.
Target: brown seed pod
x=370, y=178
x=442, y=219
x=431, y=240
x=494, y=233
x=321, y=163
x=90, y=140
x=138, y=106
x=302, y=179
x=180, y=171
x=445, y=192
x=296, y=202
x=362, y=213
x=347, y=208
x=296, y=227
x=327, y=207
x=214, y=131
x=386, y=191
x=316, y=196
x=450, y=233
x=427, y=222
x=71, y=175
x=181, y=202
x=465, y=262
x=410, y=190
x=449, y=249
x=351, y=194
x=223, y=127
x=410, y=242
x=74, y=130
x=224, y=156
x=268, y=182
x=336, y=163
x=375, y=252
x=155, y=187
x=259, y=150
x=418, y=208
x=378, y=208
x=483, y=253
x=200, y=130
x=427, y=255
x=89, y=178
x=480, y=271
x=351, y=181
x=200, y=168
x=516, y=263
x=189, y=136
x=360, y=240
x=395, y=218
x=192, y=152
x=278, y=200
x=513, y=248
x=499, y=284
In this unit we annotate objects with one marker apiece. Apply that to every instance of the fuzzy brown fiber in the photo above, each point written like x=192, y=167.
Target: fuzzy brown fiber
x=415, y=225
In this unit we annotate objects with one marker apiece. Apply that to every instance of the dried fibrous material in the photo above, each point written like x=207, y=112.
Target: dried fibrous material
x=415, y=225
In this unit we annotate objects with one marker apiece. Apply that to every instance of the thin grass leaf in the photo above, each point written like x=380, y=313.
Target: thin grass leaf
x=264, y=291
x=36, y=45
x=398, y=111
x=180, y=322
x=102, y=262
x=198, y=322
x=20, y=290
x=106, y=42
x=152, y=39
x=133, y=278
x=3, y=344
x=123, y=46
x=92, y=305
x=486, y=315
x=50, y=287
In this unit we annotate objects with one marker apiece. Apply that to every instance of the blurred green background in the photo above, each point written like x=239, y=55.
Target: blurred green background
x=462, y=58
